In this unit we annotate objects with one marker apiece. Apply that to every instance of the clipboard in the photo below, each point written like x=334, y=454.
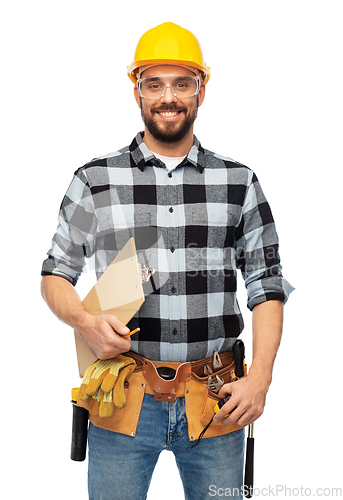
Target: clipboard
x=118, y=291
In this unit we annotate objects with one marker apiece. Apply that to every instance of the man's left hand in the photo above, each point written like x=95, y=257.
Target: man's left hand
x=248, y=397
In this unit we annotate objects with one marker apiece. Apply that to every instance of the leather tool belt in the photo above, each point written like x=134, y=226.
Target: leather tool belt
x=167, y=380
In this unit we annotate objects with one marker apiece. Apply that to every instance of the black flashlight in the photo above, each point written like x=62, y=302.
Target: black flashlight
x=79, y=432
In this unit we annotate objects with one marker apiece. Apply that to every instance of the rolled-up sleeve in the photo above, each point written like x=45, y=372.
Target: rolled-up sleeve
x=74, y=237
x=257, y=250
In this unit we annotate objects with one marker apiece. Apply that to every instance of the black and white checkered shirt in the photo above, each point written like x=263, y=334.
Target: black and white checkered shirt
x=197, y=225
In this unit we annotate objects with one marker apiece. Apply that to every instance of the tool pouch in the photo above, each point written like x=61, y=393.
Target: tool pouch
x=189, y=382
x=200, y=400
x=123, y=420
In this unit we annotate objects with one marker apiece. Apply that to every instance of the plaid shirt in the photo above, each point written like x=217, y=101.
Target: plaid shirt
x=197, y=225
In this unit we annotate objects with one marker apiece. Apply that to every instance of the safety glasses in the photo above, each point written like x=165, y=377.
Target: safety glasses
x=182, y=86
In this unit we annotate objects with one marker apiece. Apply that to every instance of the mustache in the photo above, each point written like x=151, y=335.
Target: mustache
x=166, y=108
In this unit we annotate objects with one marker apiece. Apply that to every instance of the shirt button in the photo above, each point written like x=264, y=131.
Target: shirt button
x=173, y=289
x=171, y=210
x=172, y=249
x=174, y=332
x=170, y=174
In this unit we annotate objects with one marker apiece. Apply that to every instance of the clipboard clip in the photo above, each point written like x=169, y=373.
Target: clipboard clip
x=145, y=272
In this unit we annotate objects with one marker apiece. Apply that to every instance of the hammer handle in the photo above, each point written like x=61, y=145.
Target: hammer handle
x=249, y=465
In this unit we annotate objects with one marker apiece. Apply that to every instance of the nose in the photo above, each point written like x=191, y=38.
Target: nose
x=168, y=95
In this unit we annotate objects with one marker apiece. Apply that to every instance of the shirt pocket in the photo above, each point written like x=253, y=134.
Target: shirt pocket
x=127, y=217
x=121, y=225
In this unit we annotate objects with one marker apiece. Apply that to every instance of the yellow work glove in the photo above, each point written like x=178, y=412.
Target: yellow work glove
x=103, y=384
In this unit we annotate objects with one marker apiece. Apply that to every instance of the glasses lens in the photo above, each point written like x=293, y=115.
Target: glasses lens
x=181, y=86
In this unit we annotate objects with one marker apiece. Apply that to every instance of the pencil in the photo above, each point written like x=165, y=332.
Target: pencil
x=131, y=333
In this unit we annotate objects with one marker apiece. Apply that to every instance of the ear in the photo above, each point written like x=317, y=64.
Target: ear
x=137, y=96
x=201, y=95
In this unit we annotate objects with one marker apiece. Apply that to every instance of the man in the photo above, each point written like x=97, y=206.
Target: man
x=213, y=219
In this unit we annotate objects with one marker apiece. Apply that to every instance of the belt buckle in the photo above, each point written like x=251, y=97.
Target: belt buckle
x=165, y=380
x=165, y=373
x=166, y=396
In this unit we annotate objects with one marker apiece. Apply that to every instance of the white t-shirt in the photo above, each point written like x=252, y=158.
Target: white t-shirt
x=170, y=162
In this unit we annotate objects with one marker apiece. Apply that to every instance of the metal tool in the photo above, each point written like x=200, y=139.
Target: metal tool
x=238, y=356
x=249, y=464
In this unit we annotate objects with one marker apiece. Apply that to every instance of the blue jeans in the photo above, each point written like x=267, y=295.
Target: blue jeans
x=121, y=467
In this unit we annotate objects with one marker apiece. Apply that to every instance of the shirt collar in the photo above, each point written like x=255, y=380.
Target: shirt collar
x=140, y=154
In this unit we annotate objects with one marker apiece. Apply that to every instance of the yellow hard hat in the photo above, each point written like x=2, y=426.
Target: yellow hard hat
x=168, y=43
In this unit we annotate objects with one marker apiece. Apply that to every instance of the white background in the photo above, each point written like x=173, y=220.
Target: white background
x=274, y=102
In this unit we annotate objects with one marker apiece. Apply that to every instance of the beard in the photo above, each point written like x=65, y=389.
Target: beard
x=169, y=132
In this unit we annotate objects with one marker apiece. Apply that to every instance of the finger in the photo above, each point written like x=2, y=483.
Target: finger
x=117, y=325
x=112, y=345
x=234, y=417
x=125, y=344
x=111, y=335
x=245, y=420
x=225, y=390
x=248, y=418
x=242, y=417
x=225, y=410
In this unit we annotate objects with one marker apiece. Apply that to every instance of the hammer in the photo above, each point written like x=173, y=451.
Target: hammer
x=238, y=356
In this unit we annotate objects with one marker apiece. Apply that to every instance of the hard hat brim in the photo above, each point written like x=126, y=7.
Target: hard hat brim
x=133, y=68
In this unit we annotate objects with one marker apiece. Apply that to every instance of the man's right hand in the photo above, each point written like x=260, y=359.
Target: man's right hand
x=104, y=334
